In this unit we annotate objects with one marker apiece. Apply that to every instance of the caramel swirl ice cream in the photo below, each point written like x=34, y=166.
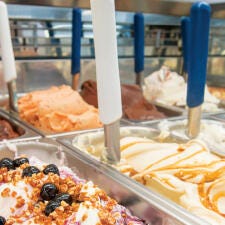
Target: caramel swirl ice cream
x=188, y=174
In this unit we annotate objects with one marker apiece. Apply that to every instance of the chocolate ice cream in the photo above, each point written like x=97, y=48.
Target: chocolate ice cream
x=6, y=130
x=135, y=107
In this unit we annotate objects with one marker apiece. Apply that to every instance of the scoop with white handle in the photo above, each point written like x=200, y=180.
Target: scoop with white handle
x=8, y=60
x=107, y=68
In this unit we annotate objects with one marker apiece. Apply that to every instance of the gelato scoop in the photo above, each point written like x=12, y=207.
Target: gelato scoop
x=169, y=88
x=188, y=174
x=135, y=107
x=46, y=194
x=7, y=131
x=58, y=109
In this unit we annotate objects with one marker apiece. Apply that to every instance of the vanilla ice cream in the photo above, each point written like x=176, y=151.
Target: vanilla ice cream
x=170, y=88
x=211, y=132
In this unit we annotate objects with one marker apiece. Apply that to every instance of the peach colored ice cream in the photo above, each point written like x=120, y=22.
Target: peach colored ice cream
x=58, y=109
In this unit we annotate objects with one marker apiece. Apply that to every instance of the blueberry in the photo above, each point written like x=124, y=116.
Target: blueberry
x=64, y=197
x=51, y=206
x=2, y=220
x=8, y=163
x=48, y=191
x=20, y=161
x=29, y=171
x=51, y=168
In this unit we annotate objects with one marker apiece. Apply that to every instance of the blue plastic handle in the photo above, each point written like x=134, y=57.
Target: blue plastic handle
x=76, y=41
x=186, y=35
x=139, y=42
x=200, y=21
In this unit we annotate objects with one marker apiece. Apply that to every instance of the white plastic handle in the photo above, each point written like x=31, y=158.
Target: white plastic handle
x=8, y=60
x=107, y=68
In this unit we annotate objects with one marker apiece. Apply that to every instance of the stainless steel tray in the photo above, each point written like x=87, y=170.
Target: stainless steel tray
x=16, y=116
x=184, y=110
x=219, y=116
x=143, y=203
x=159, y=205
x=25, y=133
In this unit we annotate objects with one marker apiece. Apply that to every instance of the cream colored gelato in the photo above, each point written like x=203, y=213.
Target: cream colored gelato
x=167, y=87
x=58, y=109
x=211, y=132
x=188, y=174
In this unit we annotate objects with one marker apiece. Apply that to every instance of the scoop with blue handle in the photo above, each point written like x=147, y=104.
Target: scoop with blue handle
x=185, y=35
x=139, y=42
x=199, y=38
x=76, y=47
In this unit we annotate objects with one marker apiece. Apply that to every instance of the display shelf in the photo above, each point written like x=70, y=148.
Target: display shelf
x=166, y=7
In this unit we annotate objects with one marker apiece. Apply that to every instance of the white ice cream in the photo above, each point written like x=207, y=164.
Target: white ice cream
x=10, y=202
x=170, y=88
x=89, y=213
x=211, y=132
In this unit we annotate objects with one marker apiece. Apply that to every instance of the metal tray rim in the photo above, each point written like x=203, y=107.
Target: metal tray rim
x=29, y=134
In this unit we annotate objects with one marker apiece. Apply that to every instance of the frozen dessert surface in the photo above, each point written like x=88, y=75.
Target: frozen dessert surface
x=188, y=174
x=46, y=194
x=211, y=132
x=170, y=88
x=58, y=109
x=135, y=107
x=6, y=130
x=218, y=92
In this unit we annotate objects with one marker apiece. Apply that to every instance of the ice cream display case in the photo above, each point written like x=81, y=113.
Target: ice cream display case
x=163, y=177
x=42, y=45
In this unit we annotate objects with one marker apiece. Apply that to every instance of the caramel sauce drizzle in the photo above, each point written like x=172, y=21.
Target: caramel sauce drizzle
x=122, y=148
x=188, y=172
